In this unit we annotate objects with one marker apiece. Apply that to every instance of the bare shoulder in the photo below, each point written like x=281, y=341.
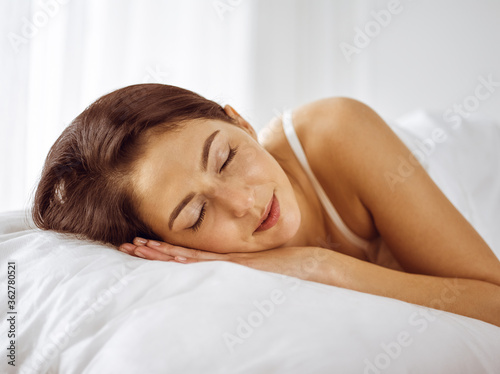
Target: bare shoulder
x=329, y=131
x=336, y=123
x=320, y=123
x=332, y=132
x=341, y=132
x=353, y=153
x=363, y=152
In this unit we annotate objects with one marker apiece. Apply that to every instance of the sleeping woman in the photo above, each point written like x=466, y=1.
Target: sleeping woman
x=165, y=174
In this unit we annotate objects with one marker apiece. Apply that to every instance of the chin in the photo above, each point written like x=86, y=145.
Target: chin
x=285, y=230
x=291, y=225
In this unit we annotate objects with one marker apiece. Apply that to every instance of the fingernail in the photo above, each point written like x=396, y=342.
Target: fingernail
x=138, y=253
x=180, y=258
x=152, y=242
x=140, y=240
x=127, y=247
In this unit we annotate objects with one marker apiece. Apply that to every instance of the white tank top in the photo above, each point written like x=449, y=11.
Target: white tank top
x=376, y=250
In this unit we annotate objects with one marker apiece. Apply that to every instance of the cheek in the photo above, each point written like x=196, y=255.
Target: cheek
x=220, y=236
x=256, y=162
x=220, y=241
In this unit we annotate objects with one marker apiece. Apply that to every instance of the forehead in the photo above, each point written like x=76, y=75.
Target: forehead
x=170, y=150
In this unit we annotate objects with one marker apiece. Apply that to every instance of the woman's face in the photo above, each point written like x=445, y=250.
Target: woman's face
x=219, y=168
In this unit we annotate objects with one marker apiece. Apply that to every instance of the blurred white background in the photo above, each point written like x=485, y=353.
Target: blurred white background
x=58, y=56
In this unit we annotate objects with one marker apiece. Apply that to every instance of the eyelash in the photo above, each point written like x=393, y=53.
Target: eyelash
x=197, y=225
x=232, y=153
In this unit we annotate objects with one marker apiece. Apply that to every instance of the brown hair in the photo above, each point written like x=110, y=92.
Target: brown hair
x=85, y=186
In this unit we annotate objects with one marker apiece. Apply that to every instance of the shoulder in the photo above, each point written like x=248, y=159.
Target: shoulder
x=408, y=209
x=333, y=133
x=336, y=119
x=340, y=134
x=341, y=137
x=322, y=121
x=347, y=138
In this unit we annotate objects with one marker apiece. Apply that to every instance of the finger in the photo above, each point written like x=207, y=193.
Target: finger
x=149, y=254
x=162, y=247
x=127, y=248
x=152, y=254
x=193, y=255
x=139, y=241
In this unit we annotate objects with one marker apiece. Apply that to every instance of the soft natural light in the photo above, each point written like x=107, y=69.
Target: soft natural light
x=260, y=56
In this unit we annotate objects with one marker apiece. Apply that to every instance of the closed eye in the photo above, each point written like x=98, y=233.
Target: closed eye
x=232, y=153
x=197, y=225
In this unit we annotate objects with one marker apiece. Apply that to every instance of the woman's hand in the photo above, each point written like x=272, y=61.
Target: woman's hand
x=302, y=262
x=161, y=251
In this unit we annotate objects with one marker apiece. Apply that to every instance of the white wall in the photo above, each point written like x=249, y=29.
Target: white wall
x=431, y=55
x=259, y=55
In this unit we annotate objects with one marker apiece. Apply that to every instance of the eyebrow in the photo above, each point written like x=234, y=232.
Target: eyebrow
x=203, y=164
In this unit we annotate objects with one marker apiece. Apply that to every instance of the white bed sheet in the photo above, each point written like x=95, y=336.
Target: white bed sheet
x=87, y=308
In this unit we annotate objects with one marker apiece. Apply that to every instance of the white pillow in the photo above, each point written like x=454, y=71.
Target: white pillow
x=87, y=308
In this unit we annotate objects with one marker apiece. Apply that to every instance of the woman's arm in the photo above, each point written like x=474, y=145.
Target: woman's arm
x=468, y=297
x=421, y=227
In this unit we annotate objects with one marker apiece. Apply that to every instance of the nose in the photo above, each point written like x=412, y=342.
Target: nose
x=237, y=197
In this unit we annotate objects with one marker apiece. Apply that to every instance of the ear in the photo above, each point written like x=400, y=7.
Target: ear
x=241, y=122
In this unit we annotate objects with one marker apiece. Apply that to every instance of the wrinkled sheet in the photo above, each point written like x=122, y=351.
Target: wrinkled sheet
x=88, y=308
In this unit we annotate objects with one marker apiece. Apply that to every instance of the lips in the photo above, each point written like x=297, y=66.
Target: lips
x=270, y=216
x=266, y=212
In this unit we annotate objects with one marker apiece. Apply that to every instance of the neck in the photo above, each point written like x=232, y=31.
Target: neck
x=313, y=230
x=313, y=227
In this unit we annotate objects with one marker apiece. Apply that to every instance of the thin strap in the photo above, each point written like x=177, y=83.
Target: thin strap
x=299, y=152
